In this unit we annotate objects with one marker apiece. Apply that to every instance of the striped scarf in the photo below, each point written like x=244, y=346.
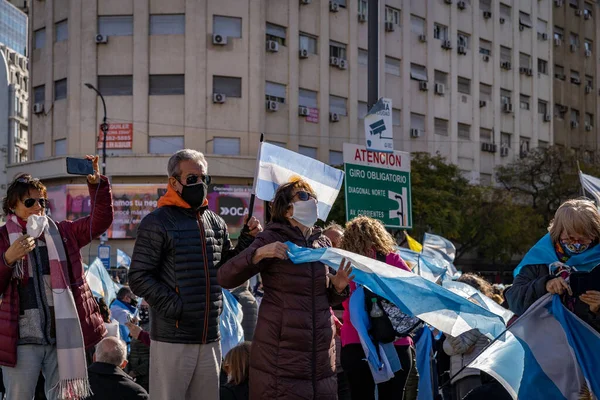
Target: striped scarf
x=72, y=368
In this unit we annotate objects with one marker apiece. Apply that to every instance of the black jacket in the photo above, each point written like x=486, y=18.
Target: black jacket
x=110, y=382
x=530, y=285
x=235, y=392
x=174, y=268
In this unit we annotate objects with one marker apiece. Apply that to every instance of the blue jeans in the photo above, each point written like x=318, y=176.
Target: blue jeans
x=20, y=381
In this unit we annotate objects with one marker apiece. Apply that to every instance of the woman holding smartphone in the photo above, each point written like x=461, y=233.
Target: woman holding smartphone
x=45, y=301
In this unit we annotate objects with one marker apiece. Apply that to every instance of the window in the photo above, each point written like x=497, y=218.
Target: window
x=542, y=107
x=309, y=43
x=39, y=94
x=362, y=110
x=60, y=89
x=485, y=92
x=275, y=92
x=441, y=126
x=363, y=57
x=464, y=131
x=363, y=7
x=39, y=38
x=117, y=25
x=227, y=26
x=485, y=5
x=337, y=105
x=589, y=45
x=38, y=151
x=392, y=66
x=464, y=85
x=418, y=72
x=336, y=157
x=588, y=9
x=226, y=146
x=392, y=15
x=485, y=47
x=560, y=111
x=559, y=33
x=524, y=102
x=337, y=49
x=440, y=32
x=308, y=151
x=396, y=117
x=524, y=60
x=574, y=4
x=505, y=54
x=574, y=39
x=505, y=96
x=542, y=27
x=575, y=77
x=542, y=66
x=342, y=3
x=60, y=147
x=523, y=146
x=574, y=115
x=589, y=119
x=463, y=39
x=276, y=33
x=307, y=98
x=505, y=140
x=165, y=144
x=167, y=24
x=61, y=31
x=505, y=12
x=227, y=85
x=589, y=81
x=417, y=25
x=486, y=135
x=440, y=77
x=417, y=121
x=559, y=72
x=525, y=19
x=115, y=85
x=167, y=84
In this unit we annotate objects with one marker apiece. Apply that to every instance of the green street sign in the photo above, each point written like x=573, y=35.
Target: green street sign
x=377, y=185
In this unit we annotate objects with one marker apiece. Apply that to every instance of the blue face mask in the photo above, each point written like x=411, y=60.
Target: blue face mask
x=573, y=249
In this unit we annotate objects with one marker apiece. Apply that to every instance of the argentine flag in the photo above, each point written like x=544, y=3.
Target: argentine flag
x=277, y=166
x=123, y=260
x=548, y=353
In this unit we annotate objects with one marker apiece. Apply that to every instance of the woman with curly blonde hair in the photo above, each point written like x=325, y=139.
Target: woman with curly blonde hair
x=368, y=237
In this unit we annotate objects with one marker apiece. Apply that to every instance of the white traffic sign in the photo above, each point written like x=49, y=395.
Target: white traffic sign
x=379, y=134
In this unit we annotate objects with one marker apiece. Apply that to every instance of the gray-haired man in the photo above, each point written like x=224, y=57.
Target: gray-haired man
x=178, y=249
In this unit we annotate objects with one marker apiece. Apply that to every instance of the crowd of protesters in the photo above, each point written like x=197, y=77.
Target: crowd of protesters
x=160, y=338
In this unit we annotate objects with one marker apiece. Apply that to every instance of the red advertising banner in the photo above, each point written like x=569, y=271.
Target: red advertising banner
x=118, y=136
x=313, y=115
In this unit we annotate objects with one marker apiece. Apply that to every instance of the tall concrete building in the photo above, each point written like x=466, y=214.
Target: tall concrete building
x=576, y=73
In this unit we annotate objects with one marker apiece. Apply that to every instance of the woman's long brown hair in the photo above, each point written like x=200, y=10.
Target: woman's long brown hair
x=237, y=364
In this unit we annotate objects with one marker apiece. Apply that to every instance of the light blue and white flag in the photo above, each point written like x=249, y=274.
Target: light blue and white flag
x=426, y=266
x=591, y=185
x=100, y=281
x=230, y=323
x=548, y=353
x=277, y=166
x=414, y=295
x=442, y=250
x=123, y=260
x=470, y=293
x=424, y=349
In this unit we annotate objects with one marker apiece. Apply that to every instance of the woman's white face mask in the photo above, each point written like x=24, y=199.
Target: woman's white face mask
x=36, y=225
x=305, y=212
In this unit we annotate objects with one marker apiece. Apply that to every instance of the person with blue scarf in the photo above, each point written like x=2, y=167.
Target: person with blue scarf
x=570, y=245
x=124, y=309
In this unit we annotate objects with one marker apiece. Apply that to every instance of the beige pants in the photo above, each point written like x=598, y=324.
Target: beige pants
x=184, y=371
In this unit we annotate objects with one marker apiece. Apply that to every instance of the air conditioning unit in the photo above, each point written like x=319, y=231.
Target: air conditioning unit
x=482, y=103
x=272, y=46
x=504, y=152
x=343, y=64
x=272, y=105
x=523, y=70
x=423, y=85
x=334, y=117
x=529, y=72
x=502, y=20
x=486, y=147
x=588, y=127
x=305, y=2
x=521, y=28
x=507, y=108
x=415, y=133
x=446, y=44
x=462, y=50
x=579, y=13
x=574, y=124
x=334, y=6
x=101, y=39
x=440, y=89
x=573, y=48
x=558, y=3
x=547, y=118
x=506, y=65
x=219, y=98
x=38, y=108
x=389, y=27
x=334, y=61
x=587, y=14
x=588, y=89
x=487, y=14
x=560, y=76
x=575, y=81
x=362, y=17
x=219, y=40
x=461, y=5
x=588, y=53
x=303, y=53
x=422, y=38
x=557, y=42
x=303, y=111
x=486, y=58
x=544, y=36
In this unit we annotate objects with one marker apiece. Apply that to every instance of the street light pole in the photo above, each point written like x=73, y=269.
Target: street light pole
x=103, y=127
x=373, y=55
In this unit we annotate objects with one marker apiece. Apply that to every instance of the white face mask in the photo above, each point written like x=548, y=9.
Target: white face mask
x=305, y=212
x=36, y=225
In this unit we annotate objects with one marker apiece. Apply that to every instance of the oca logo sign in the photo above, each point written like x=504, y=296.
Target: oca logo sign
x=233, y=211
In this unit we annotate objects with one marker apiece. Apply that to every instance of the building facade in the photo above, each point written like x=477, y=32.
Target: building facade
x=576, y=75
x=13, y=27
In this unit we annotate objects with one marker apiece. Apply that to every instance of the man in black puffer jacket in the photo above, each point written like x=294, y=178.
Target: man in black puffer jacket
x=178, y=249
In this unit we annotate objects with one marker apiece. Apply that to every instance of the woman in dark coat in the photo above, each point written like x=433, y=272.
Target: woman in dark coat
x=293, y=351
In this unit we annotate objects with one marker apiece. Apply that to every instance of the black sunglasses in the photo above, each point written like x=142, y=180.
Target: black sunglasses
x=304, y=196
x=193, y=179
x=30, y=202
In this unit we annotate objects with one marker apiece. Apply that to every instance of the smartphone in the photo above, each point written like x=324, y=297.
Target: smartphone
x=79, y=166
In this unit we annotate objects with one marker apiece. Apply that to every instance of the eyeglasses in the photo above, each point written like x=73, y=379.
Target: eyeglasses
x=193, y=179
x=304, y=196
x=30, y=202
